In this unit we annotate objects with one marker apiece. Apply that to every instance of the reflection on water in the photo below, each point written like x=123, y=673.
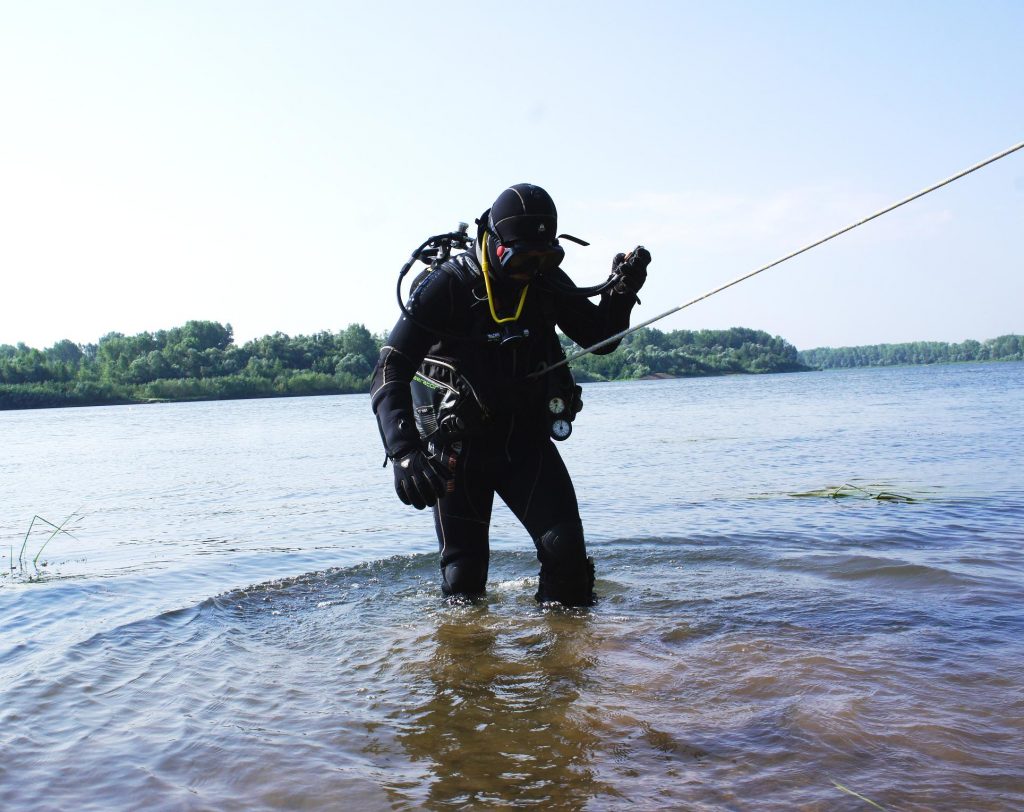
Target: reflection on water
x=501, y=719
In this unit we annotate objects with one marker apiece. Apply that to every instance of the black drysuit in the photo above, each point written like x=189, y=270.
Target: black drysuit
x=507, y=449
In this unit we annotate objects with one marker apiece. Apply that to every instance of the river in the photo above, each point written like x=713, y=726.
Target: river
x=811, y=591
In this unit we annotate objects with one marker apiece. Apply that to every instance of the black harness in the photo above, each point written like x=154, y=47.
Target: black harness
x=465, y=382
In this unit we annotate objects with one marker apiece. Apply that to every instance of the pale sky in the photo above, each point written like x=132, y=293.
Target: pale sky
x=272, y=164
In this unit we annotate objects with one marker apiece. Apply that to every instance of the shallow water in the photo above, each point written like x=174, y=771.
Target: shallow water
x=248, y=619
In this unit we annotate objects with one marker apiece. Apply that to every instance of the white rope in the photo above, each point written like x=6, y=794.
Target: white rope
x=779, y=261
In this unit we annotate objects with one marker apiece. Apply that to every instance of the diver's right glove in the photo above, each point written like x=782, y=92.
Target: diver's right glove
x=632, y=270
x=420, y=480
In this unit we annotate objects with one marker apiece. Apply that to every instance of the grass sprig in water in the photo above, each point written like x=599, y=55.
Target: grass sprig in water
x=847, y=490
x=57, y=529
x=849, y=791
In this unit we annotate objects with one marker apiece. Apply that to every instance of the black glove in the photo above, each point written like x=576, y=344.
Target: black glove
x=632, y=269
x=420, y=480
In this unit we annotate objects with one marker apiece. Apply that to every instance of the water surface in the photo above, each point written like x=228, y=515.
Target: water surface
x=247, y=618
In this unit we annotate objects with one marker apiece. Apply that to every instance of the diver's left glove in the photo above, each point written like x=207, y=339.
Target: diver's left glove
x=420, y=480
x=632, y=270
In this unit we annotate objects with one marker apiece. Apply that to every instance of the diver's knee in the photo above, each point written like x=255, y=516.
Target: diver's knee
x=562, y=547
x=464, y=577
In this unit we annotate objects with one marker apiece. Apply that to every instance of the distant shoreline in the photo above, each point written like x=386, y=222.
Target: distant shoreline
x=654, y=377
x=200, y=361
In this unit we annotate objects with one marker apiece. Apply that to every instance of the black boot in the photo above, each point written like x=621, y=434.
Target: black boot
x=464, y=580
x=573, y=589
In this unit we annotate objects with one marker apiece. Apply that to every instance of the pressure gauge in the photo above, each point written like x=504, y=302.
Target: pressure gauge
x=556, y=405
x=561, y=429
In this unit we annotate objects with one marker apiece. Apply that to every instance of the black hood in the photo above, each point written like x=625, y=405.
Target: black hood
x=523, y=212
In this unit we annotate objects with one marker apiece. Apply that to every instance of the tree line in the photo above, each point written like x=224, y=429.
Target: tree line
x=689, y=353
x=1003, y=348
x=200, y=361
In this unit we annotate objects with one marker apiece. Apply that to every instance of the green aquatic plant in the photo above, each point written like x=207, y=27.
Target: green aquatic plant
x=57, y=530
x=849, y=791
x=846, y=490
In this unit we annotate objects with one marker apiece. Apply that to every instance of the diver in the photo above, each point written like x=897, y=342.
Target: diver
x=464, y=401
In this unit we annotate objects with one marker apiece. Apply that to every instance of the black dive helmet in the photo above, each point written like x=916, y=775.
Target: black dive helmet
x=519, y=230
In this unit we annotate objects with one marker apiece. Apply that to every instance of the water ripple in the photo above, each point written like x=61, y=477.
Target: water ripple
x=359, y=684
